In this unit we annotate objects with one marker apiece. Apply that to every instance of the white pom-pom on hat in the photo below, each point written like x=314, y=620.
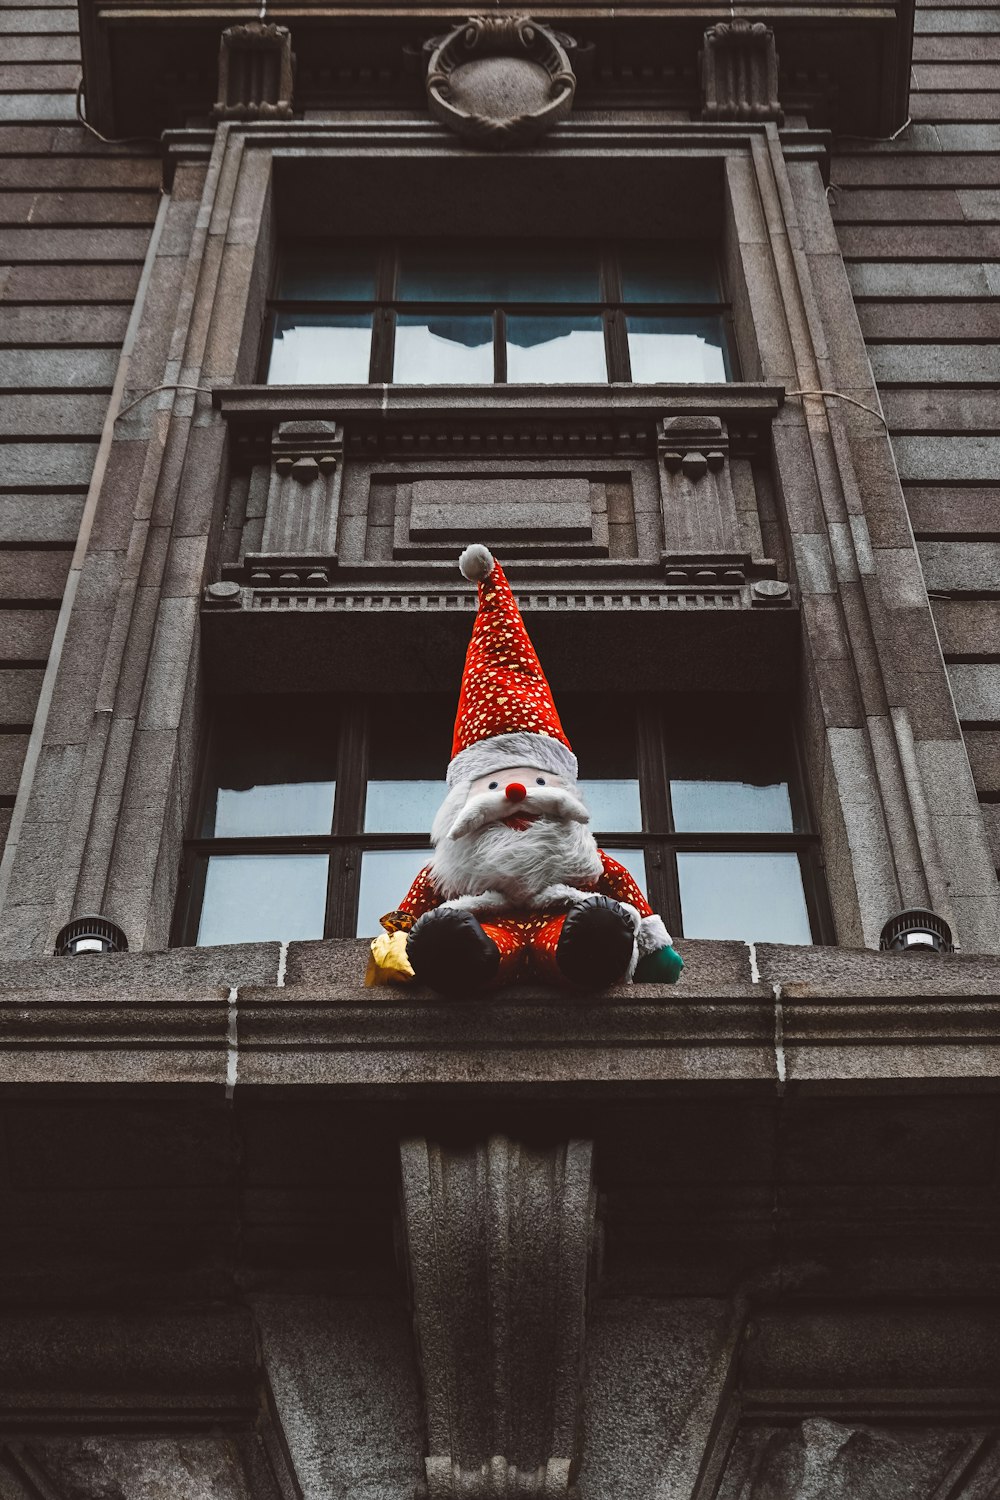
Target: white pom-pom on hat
x=476, y=562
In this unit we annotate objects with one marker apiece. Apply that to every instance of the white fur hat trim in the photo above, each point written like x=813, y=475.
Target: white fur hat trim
x=503, y=751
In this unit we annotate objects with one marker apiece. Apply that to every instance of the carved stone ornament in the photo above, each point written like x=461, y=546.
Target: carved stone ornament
x=303, y=500
x=497, y=1238
x=255, y=73
x=739, y=72
x=500, y=81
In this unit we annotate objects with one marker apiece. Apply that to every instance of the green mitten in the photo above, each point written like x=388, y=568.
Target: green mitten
x=660, y=967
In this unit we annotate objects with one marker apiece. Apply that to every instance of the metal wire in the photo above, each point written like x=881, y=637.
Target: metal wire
x=839, y=396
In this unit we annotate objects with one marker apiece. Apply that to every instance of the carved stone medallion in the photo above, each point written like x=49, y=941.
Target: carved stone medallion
x=500, y=81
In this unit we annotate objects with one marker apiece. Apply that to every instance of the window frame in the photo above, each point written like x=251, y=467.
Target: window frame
x=385, y=307
x=660, y=843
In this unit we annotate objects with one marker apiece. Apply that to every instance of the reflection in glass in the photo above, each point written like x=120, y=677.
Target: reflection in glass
x=676, y=349
x=614, y=805
x=321, y=349
x=386, y=876
x=731, y=807
x=553, y=350
x=271, y=809
x=746, y=897
x=490, y=272
x=635, y=863
x=271, y=774
x=434, y=349
x=258, y=898
x=669, y=273
x=402, y=806
x=341, y=271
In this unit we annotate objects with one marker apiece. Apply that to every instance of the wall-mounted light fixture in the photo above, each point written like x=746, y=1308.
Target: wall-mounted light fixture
x=916, y=931
x=90, y=934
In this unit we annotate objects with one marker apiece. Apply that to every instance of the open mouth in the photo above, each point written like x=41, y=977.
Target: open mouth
x=520, y=821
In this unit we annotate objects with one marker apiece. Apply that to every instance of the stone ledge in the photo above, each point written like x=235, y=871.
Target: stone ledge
x=832, y=1018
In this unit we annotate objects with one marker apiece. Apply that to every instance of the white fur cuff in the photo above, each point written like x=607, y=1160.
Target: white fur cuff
x=555, y=897
x=653, y=935
x=485, y=901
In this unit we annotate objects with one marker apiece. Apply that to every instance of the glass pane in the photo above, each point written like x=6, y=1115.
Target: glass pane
x=614, y=805
x=675, y=349
x=335, y=272
x=669, y=273
x=386, y=876
x=635, y=863
x=495, y=272
x=602, y=734
x=409, y=747
x=258, y=898
x=751, y=898
x=731, y=807
x=554, y=350
x=271, y=773
x=443, y=350
x=402, y=806
x=321, y=349
x=730, y=770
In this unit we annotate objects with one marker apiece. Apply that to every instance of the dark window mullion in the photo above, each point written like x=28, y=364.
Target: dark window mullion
x=611, y=281
x=652, y=767
x=616, y=346
x=342, y=891
x=813, y=868
x=383, y=344
x=499, y=346
x=352, y=768
x=348, y=820
x=194, y=869
x=664, y=890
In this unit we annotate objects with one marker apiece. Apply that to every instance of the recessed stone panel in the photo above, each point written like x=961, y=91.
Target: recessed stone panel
x=545, y=507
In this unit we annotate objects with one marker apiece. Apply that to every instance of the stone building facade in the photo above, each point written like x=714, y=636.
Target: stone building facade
x=269, y=1233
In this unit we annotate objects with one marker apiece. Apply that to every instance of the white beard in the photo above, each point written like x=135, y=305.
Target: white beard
x=557, y=850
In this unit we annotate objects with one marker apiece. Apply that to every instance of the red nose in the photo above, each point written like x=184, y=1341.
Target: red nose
x=515, y=792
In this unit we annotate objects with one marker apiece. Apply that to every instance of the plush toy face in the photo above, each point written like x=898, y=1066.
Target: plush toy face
x=516, y=830
x=526, y=793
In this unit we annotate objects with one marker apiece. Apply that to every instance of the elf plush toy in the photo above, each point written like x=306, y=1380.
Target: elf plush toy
x=516, y=886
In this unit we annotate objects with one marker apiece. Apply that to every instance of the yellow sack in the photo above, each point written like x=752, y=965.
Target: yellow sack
x=388, y=963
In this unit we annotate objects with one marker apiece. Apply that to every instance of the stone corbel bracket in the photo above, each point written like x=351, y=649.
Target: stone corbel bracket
x=303, y=499
x=500, y=81
x=256, y=71
x=498, y=1237
x=702, y=542
x=739, y=73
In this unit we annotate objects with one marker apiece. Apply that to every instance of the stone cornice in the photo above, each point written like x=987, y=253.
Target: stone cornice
x=149, y=66
x=217, y=1022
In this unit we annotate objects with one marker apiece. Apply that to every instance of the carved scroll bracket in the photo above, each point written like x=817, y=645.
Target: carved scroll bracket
x=498, y=1237
x=739, y=72
x=256, y=69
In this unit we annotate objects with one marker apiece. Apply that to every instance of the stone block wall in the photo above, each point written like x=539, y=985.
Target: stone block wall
x=75, y=221
x=918, y=220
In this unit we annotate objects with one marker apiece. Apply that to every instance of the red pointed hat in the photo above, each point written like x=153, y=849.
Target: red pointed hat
x=506, y=714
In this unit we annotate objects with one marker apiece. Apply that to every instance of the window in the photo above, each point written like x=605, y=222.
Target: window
x=316, y=814
x=424, y=312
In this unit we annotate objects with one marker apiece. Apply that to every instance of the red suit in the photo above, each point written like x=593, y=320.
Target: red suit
x=526, y=939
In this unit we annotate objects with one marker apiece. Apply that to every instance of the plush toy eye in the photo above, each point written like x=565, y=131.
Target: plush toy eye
x=539, y=780
x=494, y=785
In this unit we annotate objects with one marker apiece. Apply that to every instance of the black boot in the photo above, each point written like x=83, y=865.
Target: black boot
x=595, y=946
x=450, y=952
